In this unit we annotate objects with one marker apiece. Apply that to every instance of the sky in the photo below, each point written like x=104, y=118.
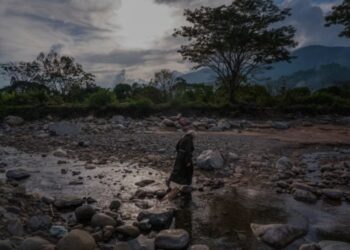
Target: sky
x=117, y=39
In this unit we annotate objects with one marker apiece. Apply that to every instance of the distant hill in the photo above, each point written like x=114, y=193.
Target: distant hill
x=321, y=77
x=307, y=58
x=311, y=57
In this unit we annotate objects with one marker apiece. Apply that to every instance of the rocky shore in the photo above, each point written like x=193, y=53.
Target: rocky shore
x=98, y=183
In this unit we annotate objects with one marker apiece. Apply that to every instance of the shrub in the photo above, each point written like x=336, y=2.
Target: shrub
x=101, y=98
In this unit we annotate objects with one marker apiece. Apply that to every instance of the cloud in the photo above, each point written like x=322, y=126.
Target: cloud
x=94, y=31
x=308, y=18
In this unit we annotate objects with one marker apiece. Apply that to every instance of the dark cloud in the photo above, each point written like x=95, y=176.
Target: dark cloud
x=308, y=18
x=127, y=58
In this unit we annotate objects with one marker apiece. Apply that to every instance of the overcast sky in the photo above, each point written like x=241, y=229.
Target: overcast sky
x=107, y=36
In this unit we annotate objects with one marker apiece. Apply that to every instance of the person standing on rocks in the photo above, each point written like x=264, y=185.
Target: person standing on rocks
x=183, y=169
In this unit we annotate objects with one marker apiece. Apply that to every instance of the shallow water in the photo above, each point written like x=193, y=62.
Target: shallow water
x=219, y=218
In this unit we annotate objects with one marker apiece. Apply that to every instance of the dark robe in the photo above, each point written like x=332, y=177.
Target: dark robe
x=183, y=168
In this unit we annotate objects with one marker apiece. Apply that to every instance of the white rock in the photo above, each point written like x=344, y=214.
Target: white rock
x=210, y=160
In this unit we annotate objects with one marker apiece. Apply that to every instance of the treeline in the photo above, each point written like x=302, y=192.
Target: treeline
x=181, y=94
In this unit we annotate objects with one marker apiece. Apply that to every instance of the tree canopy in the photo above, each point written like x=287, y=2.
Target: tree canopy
x=340, y=15
x=58, y=73
x=237, y=40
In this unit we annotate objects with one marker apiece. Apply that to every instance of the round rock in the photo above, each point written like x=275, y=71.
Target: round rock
x=84, y=213
x=36, y=243
x=77, y=240
x=102, y=220
x=172, y=239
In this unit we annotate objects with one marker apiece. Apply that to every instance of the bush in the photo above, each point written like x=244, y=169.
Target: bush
x=101, y=98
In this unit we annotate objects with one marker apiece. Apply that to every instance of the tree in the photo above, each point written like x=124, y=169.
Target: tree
x=238, y=40
x=340, y=15
x=62, y=73
x=58, y=73
x=123, y=91
x=164, y=80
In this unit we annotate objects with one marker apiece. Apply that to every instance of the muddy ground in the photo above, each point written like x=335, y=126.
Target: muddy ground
x=103, y=160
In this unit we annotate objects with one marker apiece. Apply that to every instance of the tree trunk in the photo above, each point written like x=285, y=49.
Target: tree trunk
x=233, y=84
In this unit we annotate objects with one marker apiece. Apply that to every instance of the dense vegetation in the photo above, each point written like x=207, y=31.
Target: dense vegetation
x=143, y=99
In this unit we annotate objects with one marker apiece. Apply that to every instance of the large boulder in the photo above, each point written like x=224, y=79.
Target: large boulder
x=168, y=123
x=13, y=120
x=284, y=164
x=37, y=243
x=210, y=160
x=17, y=174
x=174, y=239
x=84, y=213
x=159, y=219
x=334, y=245
x=102, y=220
x=277, y=235
x=77, y=240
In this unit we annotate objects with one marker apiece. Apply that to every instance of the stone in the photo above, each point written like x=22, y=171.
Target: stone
x=17, y=174
x=115, y=205
x=102, y=220
x=311, y=246
x=210, y=160
x=223, y=125
x=128, y=231
x=58, y=231
x=59, y=153
x=284, y=164
x=280, y=125
x=277, y=235
x=13, y=120
x=36, y=243
x=84, y=213
x=39, y=222
x=5, y=245
x=68, y=202
x=144, y=225
x=333, y=194
x=199, y=247
x=334, y=245
x=232, y=157
x=15, y=228
x=168, y=123
x=304, y=196
x=159, y=219
x=64, y=128
x=144, y=183
x=119, y=119
x=172, y=239
x=77, y=240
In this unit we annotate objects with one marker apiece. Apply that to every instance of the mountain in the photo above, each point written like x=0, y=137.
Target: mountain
x=311, y=57
x=321, y=77
x=204, y=75
x=307, y=58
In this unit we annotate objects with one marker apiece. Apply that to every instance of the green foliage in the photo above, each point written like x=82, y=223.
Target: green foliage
x=340, y=15
x=102, y=98
x=148, y=92
x=123, y=91
x=237, y=40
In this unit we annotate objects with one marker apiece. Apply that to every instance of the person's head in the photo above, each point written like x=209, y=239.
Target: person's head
x=191, y=133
